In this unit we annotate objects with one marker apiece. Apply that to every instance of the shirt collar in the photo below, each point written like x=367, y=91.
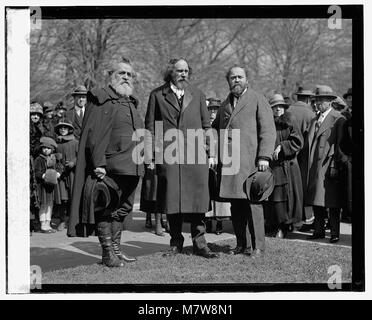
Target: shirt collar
x=324, y=114
x=77, y=109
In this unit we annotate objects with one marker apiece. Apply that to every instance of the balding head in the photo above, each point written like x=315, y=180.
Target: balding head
x=121, y=77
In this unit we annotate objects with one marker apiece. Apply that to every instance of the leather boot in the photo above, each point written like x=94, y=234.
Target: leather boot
x=104, y=235
x=148, y=223
x=116, y=237
x=158, y=227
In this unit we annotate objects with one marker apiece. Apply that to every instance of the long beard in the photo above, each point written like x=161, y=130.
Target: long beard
x=181, y=83
x=122, y=88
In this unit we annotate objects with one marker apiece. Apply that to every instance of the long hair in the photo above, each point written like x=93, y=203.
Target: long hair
x=169, y=68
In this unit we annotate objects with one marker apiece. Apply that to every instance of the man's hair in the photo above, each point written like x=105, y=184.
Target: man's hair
x=167, y=73
x=227, y=76
x=113, y=66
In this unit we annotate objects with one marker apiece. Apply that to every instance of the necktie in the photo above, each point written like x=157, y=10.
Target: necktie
x=318, y=123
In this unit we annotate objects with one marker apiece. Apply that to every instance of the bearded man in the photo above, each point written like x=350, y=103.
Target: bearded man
x=182, y=190
x=105, y=154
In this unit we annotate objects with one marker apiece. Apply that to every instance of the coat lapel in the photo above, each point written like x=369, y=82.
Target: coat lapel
x=171, y=97
x=325, y=124
x=242, y=102
x=186, y=99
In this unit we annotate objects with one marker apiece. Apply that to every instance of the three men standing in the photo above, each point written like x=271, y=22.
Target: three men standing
x=249, y=112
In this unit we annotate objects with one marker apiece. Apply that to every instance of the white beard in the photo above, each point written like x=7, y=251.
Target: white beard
x=122, y=89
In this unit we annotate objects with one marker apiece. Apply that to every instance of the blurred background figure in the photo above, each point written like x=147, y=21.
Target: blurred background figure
x=59, y=112
x=287, y=197
x=219, y=211
x=48, y=119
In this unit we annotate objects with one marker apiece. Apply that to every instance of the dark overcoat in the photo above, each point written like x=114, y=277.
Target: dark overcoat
x=253, y=118
x=182, y=186
x=94, y=141
x=287, y=177
x=322, y=154
x=76, y=121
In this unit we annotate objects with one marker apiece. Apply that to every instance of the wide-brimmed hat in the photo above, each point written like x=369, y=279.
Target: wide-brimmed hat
x=79, y=90
x=348, y=93
x=106, y=194
x=304, y=91
x=65, y=123
x=324, y=91
x=277, y=99
x=36, y=108
x=48, y=142
x=339, y=103
x=214, y=103
x=259, y=185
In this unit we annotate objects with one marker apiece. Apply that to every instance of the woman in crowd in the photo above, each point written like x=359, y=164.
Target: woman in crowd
x=286, y=199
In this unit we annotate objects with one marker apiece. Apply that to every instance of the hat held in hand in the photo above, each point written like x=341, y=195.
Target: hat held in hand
x=50, y=177
x=259, y=185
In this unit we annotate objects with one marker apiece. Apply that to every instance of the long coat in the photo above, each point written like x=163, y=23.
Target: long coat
x=182, y=187
x=253, y=118
x=95, y=138
x=322, y=154
x=68, y=148
x=287, y=177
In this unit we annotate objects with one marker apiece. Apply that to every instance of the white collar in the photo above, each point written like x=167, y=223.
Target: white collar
x=78, y=109
x=324, y=114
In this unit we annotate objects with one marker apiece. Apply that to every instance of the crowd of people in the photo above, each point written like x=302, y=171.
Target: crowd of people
x=293, y=172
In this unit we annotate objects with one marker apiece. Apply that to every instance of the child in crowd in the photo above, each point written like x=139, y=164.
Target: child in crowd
x=47, y=172
x=68, y=149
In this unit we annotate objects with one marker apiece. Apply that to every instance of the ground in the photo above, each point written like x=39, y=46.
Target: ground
x=66, y=260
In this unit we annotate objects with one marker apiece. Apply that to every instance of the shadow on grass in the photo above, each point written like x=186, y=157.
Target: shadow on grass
x=50, y=259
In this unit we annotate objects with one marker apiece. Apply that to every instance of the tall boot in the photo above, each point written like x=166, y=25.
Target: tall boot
x=148, y=223
x=116, y=236
x=109, y=258
x=158, y=227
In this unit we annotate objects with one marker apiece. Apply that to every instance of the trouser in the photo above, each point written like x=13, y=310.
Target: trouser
x=248, y=224
x=197, y=230
x=320, y=213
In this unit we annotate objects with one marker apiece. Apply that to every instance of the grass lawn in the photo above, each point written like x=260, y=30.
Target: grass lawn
x=285, y=261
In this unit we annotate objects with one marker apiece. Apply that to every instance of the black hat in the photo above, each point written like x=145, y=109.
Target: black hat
x=106, y=194
x=348, y=93
x=304, y=91
x=214, y=103
x=79, y=90
x=259, y=185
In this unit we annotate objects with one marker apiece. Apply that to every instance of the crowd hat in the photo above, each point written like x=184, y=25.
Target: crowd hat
x=60, y=106
x=106, y=194
x=47, y=106
x=79, y=90
x=65, y=123
x=214, y=103
x=348, y=93
x=304, y=91
x=48, y=142
x=36, y=108
x=339, y=103
x=277, y=99
x=259, y=185
x=324, y=91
